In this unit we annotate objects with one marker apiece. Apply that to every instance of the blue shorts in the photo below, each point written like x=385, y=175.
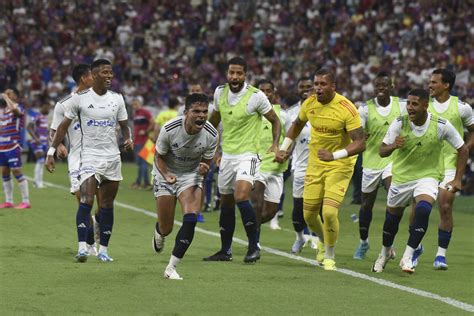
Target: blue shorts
x=36, y=148
x=11, y=158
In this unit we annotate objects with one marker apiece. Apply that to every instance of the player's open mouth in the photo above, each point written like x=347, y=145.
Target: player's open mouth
x=200, y=123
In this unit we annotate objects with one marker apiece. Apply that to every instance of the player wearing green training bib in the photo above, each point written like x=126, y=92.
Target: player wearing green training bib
x=376, y=116
x=414, y=141
x=460, y=115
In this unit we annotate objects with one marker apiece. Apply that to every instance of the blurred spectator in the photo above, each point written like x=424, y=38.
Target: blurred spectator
x=142, y=125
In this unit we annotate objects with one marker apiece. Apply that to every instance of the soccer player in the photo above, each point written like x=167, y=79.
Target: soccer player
x=460, y=115
x=416, y=140
x=240, y=107
x=39, y=131
x=376, y=116
x=269, y=183
x=299, y=164
x=12, y=117
x=166, y=115
x=336, y=138
x=184, y=150
x=99, y=111
x=82, y=75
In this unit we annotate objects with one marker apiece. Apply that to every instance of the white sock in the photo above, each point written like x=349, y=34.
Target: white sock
x=364, y=241
x=102, y=249
x=39, y=168
x=82, y=246
x=24, y=191
x=329, y=252
x=8, y=189
x=441, y=252
x=385, y=251
x=173, y=261
x=408, y=252
x=299, y=235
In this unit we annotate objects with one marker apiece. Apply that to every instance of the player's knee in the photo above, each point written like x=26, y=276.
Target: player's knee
x=89, y=200
x=309, y=215
x=445, y=209
x=423, y=209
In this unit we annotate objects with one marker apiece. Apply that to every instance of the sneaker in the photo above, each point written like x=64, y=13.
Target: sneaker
x=207, y=208
x=171, y=274
x=274, y=224
x=440, y=263
x=252, y=255
x=200, y=218
x=406, y=264
x=7, y=205
x=329, y=264
x=104, y=257
x=418, y=252
x=92, y=250
x=361, y=251
x=313, y=242
x=297, y=246
x=158, y=242
x=380, y=263
x=321, y=251
x=23, y=205
x=81, y=256
x=96, y=228
x=219, y=256
x=134, y=186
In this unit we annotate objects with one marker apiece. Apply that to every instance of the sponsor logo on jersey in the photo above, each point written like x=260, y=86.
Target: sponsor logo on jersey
x=101, y=123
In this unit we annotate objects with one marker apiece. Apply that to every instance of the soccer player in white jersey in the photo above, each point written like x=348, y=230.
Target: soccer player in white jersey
x=460, y=114
x=184, y=150
x=99, y=111
x=269, y=184
x=241, y=107
x=82, y=75
x=416, y=140
x=376, y=115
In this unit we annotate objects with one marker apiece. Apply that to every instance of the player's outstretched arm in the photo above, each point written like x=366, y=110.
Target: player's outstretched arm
x=215, y=118
x=272, y=117
x=57, y=139
x=286, y=147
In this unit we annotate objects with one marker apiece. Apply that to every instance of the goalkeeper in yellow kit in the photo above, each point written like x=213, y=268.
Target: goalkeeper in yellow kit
x=336, y=138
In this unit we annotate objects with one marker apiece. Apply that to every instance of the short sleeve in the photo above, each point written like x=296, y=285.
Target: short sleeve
x=217, y=96
x=364, y=114
x=122, y=114
x=285, y=117
x=71, y=107
x=58, y=116
x=393, y=131
x=466, y=113
x=162, y=143
x=451, y=135
x=260, y=104
x=302, y=114
x=211, y=149
x=352, y=116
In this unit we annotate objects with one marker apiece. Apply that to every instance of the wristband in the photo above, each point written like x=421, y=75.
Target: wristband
x=51, y=151
x=286, y=144
x=340, y=154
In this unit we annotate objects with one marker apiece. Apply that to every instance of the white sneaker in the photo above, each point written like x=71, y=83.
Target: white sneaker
x=379, y=264
x=158, y=242
x=171, y=274
x=406, y=264
x=96, y=227
x=314, y=242
x=92, y=250
x=297, y=246
x=274, y=224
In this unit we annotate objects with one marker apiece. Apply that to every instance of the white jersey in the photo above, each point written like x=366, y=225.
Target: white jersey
x=466, y=112
x=381, y=110
x=301, y=150
x=73, y=132
x=183, y=152
x=445, y=132
x=98, y=117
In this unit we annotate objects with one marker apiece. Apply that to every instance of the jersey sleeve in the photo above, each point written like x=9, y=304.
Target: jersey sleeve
x=403, y=106
x=58, y=116
x=211, y=149
x=163, y=142
x=71, y=107
x=302, y=114
x=450, y=134
x=285, y=117
x=259, y=104
x=364, y=114
x=122, y=114
x=352, y=116
x=393, y=131
x=467, y=114
x=217, y=96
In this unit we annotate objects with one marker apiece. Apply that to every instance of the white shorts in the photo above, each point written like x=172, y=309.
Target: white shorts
x=101, y=170
x=400, y=195
x=74, y=180
x=449, y=175
x=232, y=170
x=273, y=186
x=73, y=163
x=298, y=183
x=183, y=182
x=371, y=178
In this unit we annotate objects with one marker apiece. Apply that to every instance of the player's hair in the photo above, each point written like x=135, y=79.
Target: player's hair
x=80, y=70
x=99, y=62
x=15, y=90
x=265, y=81
x=303, y=79
x=326, y=72
x=237, y=61
x=447, y=76
x=195, y=98
x=421, y=93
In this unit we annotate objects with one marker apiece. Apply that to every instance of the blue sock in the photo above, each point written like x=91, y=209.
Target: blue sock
x=282, y=201
x=365, y=217
x=83, y=221
x=90, y=233
x=185, y=235
x=258, y=235
x=249, y=220
x=227, y=225
x=444, y=237
x=390, y=228
x=106, y=223
x=306, y=230
x=297, y=216
x=420, y=224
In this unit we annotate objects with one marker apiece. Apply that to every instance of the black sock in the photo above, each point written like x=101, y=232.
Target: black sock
x=249, y=220
x=83, y=222
x=90, y=233
x=365, y=217
x=420, y=224
x=444, y=237
x=106, y=223
x=185, y=235
x=227, y=227
x=297, y=215
x=390, y=228
x=282, y=201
